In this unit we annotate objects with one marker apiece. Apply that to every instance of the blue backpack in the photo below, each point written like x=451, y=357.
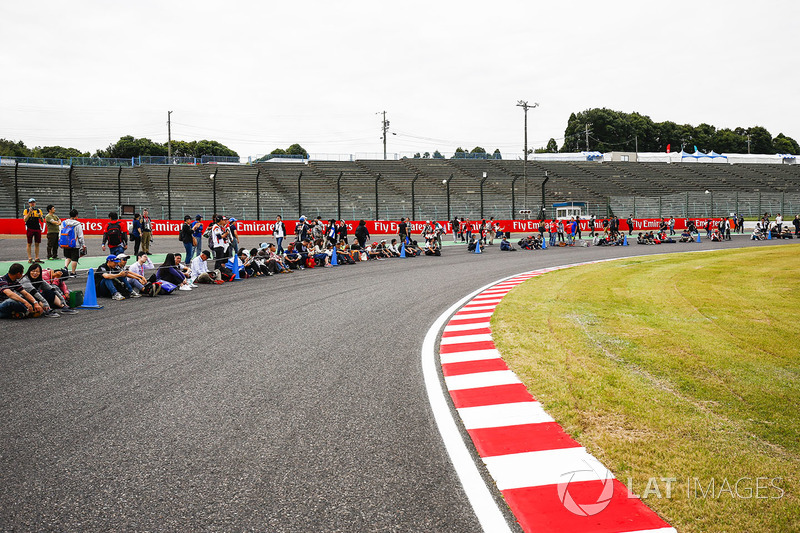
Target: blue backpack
x=67, y=238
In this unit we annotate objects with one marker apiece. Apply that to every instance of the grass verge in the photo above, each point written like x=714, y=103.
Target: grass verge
x=681, y=366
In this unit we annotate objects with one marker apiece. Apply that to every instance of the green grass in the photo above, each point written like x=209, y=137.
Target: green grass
x=684, y=366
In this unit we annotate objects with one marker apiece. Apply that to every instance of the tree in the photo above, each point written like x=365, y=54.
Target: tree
x=128, y=146
x=437, y=155
x=760, y=141
x=58, y=152
x=497, y=154
x=785, y=145
x=552, y=146
x=426, y=155
x=12, y=149
x=296, y=149
x=417, y=156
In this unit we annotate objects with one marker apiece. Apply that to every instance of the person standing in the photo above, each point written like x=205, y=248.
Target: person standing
x=362, y=233
x=53, y=224
x=672, y=225
x=779, y=223
x=456, y=229
x=219, y=239
x=279, y=232
x=136, y=233
x=197, y=235
x=114, y=235
x=186, y=237
x=591, y=225
x=147, y=231
x=466, y=230
x=402, y=231
x=233, y=234
x=72, y=241
x=33, y=218
x=630, y=224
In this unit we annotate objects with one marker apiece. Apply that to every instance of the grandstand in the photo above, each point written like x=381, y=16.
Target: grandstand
x=348, y=188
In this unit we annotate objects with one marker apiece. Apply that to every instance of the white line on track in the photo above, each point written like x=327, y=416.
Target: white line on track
x=480, y=497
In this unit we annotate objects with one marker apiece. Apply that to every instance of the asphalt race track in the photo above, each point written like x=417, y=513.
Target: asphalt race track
x=292, y=403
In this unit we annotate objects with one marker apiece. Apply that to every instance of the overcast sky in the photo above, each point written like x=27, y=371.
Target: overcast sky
x=261, y=75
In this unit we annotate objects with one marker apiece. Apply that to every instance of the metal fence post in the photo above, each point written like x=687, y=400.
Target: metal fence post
x=258, y=195
x=16, y=190
x=169, y=193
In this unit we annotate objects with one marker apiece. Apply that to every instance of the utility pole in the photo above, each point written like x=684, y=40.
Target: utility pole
x=524, y=105
x=385, y=130
x=587, y=136
x=169, y=136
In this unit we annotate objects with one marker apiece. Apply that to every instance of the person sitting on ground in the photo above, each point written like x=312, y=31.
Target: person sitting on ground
x=319, y=254
x=169, y=273
x=142, y=265
x=393, y=248
x=56, y=279
x=262, y=262
x=111, y=282
x=505, y=246
x=432, y=248
x=302, y=248
x=272, y=254
x=137, y=281
x=786, y=233
x=664, y=238
x=715, y=235
x=16, y=302
x=183, y=269
x=72, y=241
x=640, y=239
x=383, y=250
x=473, y=243
x=50, y=298
x=247, y=268
x=686, y=236
x=292, y=258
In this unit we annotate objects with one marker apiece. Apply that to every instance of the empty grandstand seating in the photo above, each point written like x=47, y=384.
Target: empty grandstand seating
x=659, y=189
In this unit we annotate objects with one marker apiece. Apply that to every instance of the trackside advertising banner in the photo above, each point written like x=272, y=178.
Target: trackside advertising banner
x=96, y=226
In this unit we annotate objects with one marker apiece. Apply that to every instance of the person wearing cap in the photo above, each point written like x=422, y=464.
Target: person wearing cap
x=233, y=231
x=112, y=282
x=33, y=218
x=186, y=237
x=197, y=233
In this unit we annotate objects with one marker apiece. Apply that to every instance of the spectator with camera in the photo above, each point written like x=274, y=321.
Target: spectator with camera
x=33, y=218
x=112, y=282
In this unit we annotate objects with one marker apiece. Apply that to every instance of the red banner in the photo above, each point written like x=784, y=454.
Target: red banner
x=96, y=226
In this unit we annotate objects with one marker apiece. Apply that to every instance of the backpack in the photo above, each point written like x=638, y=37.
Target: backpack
x=113, y=234
x=67, y=238
x=167, y=287
x=310, y=262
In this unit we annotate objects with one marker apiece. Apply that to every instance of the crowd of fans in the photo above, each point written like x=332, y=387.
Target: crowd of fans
x=316, y=243
x=213, y=255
